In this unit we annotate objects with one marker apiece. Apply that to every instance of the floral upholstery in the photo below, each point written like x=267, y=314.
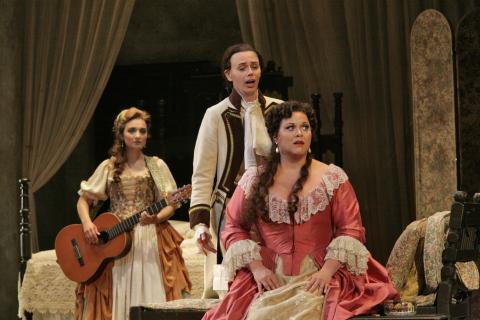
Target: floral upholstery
x=415, y=262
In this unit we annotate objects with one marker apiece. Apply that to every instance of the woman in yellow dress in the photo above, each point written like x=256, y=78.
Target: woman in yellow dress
x=153, y=271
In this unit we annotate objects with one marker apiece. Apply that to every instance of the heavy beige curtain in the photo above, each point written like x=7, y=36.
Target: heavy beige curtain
x=359, y=47
x=70, y=49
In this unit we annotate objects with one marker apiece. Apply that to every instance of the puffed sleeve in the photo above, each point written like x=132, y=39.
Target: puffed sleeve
x=241, y=249
x=347, y=245
x=95, y=188
x=167, y=177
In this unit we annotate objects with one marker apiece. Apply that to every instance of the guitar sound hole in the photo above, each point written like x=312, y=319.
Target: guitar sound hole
x=103, y=237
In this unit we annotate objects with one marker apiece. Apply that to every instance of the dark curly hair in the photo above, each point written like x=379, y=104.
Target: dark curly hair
x=256, y=205
x=118, y=150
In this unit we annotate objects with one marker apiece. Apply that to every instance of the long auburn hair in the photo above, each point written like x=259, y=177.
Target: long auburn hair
x=118, y=149
x=256, y=205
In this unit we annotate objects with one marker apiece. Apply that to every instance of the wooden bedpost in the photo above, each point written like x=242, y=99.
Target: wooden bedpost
x=25, y=230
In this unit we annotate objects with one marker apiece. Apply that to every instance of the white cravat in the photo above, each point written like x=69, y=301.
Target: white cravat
x=256, y=136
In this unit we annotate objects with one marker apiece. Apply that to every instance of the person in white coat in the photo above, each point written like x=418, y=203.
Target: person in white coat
x=231, y=138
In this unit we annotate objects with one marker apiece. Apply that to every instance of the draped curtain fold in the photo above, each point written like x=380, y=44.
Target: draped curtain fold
x=361, y=48
x=70, y=49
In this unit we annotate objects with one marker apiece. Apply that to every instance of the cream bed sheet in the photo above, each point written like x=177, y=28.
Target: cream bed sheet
x=49, y=295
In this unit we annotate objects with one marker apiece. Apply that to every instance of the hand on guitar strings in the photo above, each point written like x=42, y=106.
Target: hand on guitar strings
x=145, y=218
x=91, y=232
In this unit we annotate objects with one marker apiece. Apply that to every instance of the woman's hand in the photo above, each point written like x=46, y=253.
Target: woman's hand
x=91, y=232
x=146, y=218
x=205, y=244
x=318, y=281
x=203, y=239
x=321, y=279
x=264, y=277
x=89, y=229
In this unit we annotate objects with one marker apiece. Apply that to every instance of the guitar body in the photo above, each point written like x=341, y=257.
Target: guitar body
x=82, y=262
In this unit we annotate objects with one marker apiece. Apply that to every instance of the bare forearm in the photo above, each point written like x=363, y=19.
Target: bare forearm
x=255, y=264
x=83, y=209
x=165, y=214
x=331, y=266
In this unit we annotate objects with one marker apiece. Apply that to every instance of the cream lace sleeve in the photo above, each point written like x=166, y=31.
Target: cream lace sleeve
x=163, y=178
x=239, y=255
x=249, y=178
x=95, y=188
x=166, y=176
x=350, y=252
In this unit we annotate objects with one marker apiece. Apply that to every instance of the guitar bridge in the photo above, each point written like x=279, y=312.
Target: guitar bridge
x=78, y=254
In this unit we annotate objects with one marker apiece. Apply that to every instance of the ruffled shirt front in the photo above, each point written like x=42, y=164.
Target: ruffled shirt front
x=256, y=136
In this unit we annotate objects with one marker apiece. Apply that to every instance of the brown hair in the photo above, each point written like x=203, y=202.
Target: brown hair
x=118, y=149
x=236, y=48
x=256, y=205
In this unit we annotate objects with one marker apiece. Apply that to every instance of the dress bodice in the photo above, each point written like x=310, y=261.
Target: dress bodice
x=292, y=241
x=325, y=215
x=306, y=237
x=310, y=229
x=313, y=226
x=131, y=194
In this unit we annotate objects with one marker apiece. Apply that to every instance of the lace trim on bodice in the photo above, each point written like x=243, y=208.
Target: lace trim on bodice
x=248, y=179
x=315, y=201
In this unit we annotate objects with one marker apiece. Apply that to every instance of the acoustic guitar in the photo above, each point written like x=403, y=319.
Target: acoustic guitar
x=83, y=262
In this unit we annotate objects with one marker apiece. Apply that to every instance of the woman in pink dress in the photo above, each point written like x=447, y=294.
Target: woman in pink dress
x=294, y=235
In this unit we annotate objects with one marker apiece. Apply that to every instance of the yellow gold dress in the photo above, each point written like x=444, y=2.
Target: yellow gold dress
x=153, y=271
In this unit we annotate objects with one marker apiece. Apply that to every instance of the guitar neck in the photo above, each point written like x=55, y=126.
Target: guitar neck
x=130, y=222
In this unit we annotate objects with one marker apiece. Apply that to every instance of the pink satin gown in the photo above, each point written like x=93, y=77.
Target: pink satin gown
x=329, y=211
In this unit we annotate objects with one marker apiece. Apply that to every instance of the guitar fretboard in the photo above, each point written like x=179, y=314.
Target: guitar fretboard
x=129, y=223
